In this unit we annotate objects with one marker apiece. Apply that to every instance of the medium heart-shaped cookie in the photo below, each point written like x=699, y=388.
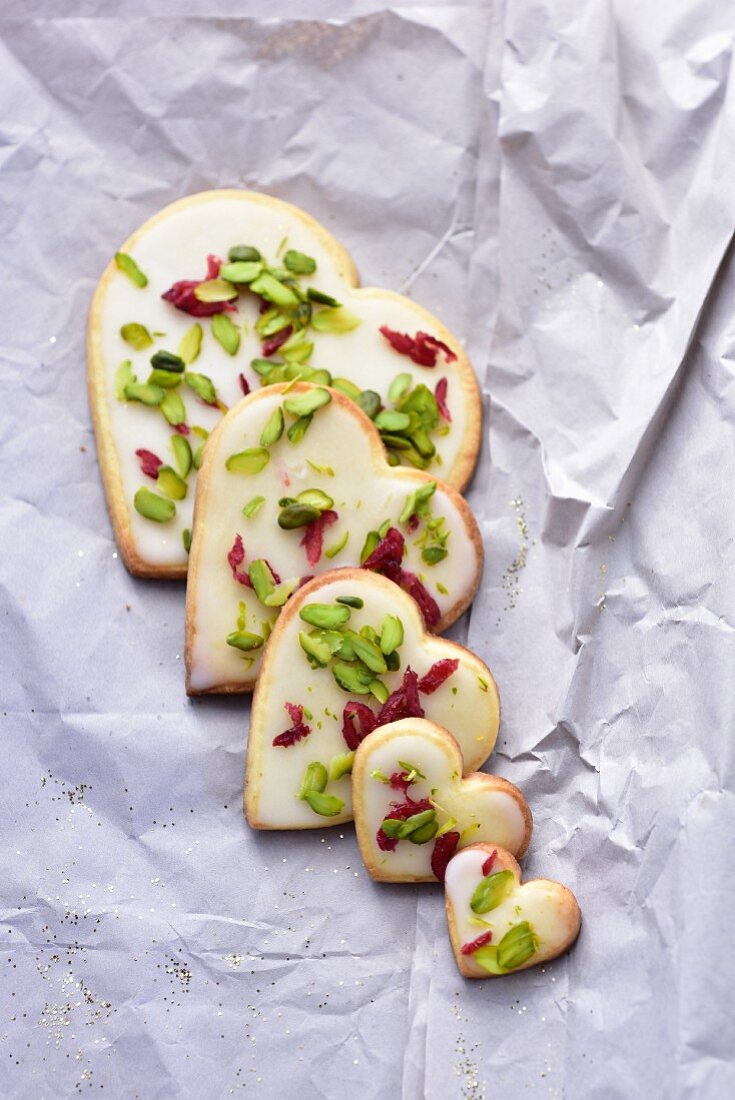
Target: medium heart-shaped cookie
x=221, y=293
x=497, y=925
x=413, y=809
x=295, y=482
x=316, y=698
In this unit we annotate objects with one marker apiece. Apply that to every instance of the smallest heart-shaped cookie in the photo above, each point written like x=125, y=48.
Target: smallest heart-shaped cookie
x=497, y=925
x=413, y=809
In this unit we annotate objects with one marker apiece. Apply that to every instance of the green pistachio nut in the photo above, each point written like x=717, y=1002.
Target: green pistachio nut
x=243, y=253
x=270, y=288
x=136, y=335
x=202, y=386
x=144, y=392
x=351, y=601
x=243, y=640
x=379, y=690
x=298, y=263
x=326, y=805
x=261, y=579
x=398, y=387
x=128, y=266
x=190, y=344
x=273, y=429
x=415, y=822
x=166, y=379
x=305, y=404
x=324, y=615
x=297, y=515
x=241, y=271
x=170, y=483
x=282, y=592
x=153, y=506
x=390, y=825
x=166, y=360
x=226, y=333
x=321, y=298
x=336, y=319
x=369, y=401
x=123, y=377
x=263, y=367
x=315, y=648
x=372, y=540
x=425, y=833
x=341, y=765
x=173, y=408
x=390, y=421
x=391, y=634
x=215, y=290
x=517, y=946
x=352, y=678
x=298, y=429
x=253, y=507
x=315, y=778
x=369, y=653
x=349, y=389
x=316, y=499
x=182, y=453
x=491, y=891
x=186, y=539
x=432, y=555
x=250, y=461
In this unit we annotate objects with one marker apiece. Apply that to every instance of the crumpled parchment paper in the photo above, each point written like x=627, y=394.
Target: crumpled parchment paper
x=556, y=181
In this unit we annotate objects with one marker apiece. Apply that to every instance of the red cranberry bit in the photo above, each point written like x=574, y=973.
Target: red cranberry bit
x=421, y=348
x=389, y=551
x=468, y=948
x=444, y=848
x=313, y=538
x=149, y=463
x=428, y=606
x=437, y=674
x=404, y=702
x=244, y=384
x=401, y=810
x=182, y=295
x=271, y=345
x=399, y=782
x=236, y=557
x=440, y=393
x=298, y=730
x=413, y=524
x=366, y=723
x=386, y=559
x=182, y=429
x=488, y=864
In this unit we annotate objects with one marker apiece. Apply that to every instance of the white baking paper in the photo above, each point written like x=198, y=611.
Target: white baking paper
x=556, y=180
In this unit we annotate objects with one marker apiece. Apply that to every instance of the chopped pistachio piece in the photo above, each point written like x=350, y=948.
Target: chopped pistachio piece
x=326, y=805
x=391, y=634
x=243, y=253
x=337, y=319
x=335, y=549
x=315, y=648
x=241, y=271
x=426, y=833
x=244, y=640
x=262, y=367
x=316, y=499
x=173, y=408
x=253, y=507
x=321, y=298
x=170, y=483
x=136, y=335
x=190, y=344
x=261, y=579
x=268, y=287
x=282, y=592
x=380, y=776
x=226, y=333
x=320, y=469
x=250, y=461
x=324, y=615
x=369, y=653
x=379, y=691
x=144, y=392
x=215, y=290
x=167, y=379
x=341, y=765
x=355, y=678
x=298, y=429
x=186, y=539
x=351, y=601
x=297, y=515
x=305, y=404
x=166, y=360
x=299, y=263
x=202, y=386
x=447, y=827
x=369, y=401
x=371, y=541
x=432, y=555
x=153, y=506
x=349, y=389
x=297, y=350
x=197, y=459
x=517, y=946
x=123, y=377
x=398, y=387
x=315, y=778
x=128, y=266
x=391, y=421
x=491, y=891
x=273, y=429
x=182, y=453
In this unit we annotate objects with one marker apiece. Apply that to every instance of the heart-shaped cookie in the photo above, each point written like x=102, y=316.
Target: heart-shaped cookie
x=497, y=925
x=221, y=293
x=413, y=809
x=295, y=482
x=348, y=652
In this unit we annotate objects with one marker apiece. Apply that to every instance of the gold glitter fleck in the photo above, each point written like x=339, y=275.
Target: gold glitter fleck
x=511, y=577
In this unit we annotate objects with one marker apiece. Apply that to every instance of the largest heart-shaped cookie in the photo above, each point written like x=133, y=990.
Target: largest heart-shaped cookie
x=315, y=701
x=413, y=808
x=497, y=925
x=295, y=482
x=176, y=332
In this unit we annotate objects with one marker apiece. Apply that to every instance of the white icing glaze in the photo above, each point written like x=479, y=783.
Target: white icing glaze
x=362, y=498
x=275, y=773
x=481, y=814
x=176, y=247
x=542, y=903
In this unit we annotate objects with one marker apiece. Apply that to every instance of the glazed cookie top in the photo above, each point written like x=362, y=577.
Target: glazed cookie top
x=294, y=482
x=349, y=653
x=498, y=925
x=224, y=292
x=413, y=809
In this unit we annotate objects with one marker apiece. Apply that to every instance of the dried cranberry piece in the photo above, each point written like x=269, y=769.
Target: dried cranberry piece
x=386, y=843
x=404, y=702
x=399, y=782
x=437, y=674
x=271, y=345
x=401, y=810
x=428, y=606
x=421, y=348
x=444, y=848
x=149, y=463
x=182, y=295
x=412, y=524
x=388, y=551
x=244, y=384
x=298, y=730
x=366, y=723
x=468, y=948
x=313, y=538
x=182, y=429
x=235, y=557
x=440, y=393
x=488, y=864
